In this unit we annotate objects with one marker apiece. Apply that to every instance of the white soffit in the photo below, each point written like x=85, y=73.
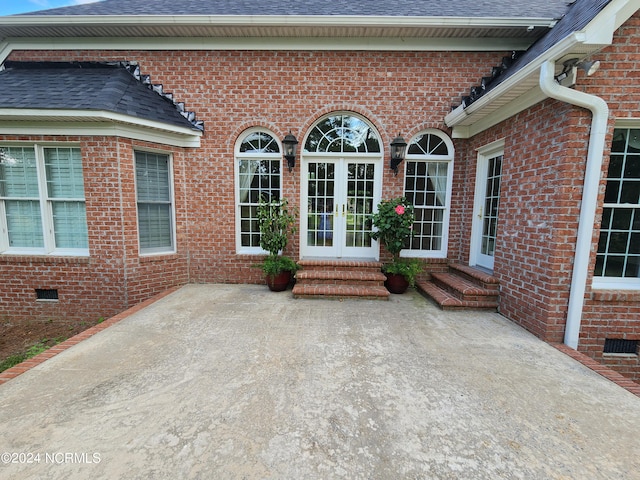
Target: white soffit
x=77, y=122
x=313, y=31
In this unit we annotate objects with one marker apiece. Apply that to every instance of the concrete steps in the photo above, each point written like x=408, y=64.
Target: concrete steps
x=340, y=279
x=462, y=287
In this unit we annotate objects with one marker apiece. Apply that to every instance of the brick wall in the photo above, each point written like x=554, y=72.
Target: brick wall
x=114, y=277
x=399, y=92
x=543, y=169
x=540, y=193
x=614, y=314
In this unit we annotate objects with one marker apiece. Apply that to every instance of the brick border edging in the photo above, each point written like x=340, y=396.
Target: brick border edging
x=28, y=364
x=603, y=370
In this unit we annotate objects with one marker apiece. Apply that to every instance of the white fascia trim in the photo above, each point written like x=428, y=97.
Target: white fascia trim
x=278, y=20
x=458, y=115
x=268, y=43
x=12, y=123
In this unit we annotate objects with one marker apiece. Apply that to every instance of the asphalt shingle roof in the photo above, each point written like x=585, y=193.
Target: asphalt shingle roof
x=397, y=8
x=85, y=86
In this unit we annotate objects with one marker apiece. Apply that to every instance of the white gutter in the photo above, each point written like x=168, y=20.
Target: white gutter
x=278, y=20
x=599, y=122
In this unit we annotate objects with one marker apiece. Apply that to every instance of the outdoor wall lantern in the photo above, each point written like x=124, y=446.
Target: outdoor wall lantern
x=398, y=147
x=289, y=143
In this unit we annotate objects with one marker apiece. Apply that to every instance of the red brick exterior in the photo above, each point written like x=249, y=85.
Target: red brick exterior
x=543, y=169
x=231, y=91
x=406, y=92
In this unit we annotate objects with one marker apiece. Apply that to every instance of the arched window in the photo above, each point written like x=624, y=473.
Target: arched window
x=428, y=172
x=342, y=133
x=257, y=172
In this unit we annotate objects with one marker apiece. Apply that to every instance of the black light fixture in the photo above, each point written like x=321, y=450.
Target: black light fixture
x=398, y=147
x=289, y=143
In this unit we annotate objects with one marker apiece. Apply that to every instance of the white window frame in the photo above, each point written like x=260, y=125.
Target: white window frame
x=618, y=283
x=46, y=208
x=430, y=158
x=238, y=156
x=150, y=252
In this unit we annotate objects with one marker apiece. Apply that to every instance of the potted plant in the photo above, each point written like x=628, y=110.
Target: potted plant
x=276, y=223
x=394, y=225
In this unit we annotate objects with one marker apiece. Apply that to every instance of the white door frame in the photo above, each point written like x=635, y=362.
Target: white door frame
x=341, y=210
x=485, y=153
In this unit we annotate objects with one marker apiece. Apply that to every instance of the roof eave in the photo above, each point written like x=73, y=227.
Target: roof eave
x=497, y=105
x=24, y=121
x=278, y=20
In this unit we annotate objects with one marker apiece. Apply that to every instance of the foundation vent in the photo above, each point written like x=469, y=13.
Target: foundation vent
x=46, y=293
x=618, y=345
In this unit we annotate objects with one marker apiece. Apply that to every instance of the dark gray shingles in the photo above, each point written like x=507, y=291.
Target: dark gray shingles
x=84, y=86
x=411, y=8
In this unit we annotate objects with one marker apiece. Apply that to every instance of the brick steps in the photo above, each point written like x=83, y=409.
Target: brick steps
x=462, y=287
x=340, y=279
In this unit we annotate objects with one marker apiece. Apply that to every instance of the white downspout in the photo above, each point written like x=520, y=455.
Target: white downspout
x=599, y=122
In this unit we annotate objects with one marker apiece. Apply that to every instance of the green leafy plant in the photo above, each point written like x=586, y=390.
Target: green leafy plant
x=32, y=351
x=274, y=264
x=393, y=224
x=276, y=223
x=409, y=268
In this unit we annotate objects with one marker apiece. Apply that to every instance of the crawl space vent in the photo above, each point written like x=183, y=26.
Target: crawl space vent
x=46, y=294
x=618, y=345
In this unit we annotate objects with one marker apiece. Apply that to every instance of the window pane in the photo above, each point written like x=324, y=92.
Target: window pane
x=257, y=179
x=152, y=177
x=619, y=241
x=342, y=134
x=70, y=225
x=155, y=226
x=155, y=210
x=24, y=224
x=259, y=142
x=63, y=167
x=426, y=189
x=18, y=172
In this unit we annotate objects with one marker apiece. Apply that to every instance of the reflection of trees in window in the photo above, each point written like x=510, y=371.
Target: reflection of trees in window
x=259, y=142
x=342, y=134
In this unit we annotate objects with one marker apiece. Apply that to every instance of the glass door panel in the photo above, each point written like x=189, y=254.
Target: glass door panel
x=360, y=196
x=488, y=214
x=338, y=197
x=320, y=204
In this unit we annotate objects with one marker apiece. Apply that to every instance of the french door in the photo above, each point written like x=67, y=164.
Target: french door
x=487, y=205
x=338, y=198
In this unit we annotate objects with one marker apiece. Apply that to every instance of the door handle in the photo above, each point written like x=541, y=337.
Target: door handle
x=480, y=214
x=343, y=209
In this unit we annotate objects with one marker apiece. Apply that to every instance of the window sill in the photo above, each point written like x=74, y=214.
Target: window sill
x=159, y=257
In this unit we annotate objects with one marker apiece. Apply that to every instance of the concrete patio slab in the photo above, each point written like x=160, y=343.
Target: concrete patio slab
x=234, y=382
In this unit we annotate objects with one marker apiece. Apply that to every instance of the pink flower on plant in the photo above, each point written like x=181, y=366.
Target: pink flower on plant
x=400, y=209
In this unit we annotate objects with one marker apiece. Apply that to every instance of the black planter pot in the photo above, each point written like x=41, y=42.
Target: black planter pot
x=279, y=282
x=396, y=283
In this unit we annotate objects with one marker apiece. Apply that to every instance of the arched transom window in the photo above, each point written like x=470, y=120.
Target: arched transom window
x=428, y=171
x=257, y=168
x=342, y=133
